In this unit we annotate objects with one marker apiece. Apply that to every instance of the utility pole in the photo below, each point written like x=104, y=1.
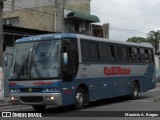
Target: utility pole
x=1, y=52
x=1, y=33
x=59, y=16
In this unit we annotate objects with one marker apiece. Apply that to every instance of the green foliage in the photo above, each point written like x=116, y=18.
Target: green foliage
x=153, y=37
x=137, y=39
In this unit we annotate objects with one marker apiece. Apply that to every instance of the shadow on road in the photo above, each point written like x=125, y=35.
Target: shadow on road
x=69, y=111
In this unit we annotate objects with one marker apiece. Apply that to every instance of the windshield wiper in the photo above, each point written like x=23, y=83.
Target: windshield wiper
x=24, y=69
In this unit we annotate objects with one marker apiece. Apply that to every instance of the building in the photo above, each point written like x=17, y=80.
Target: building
x=50, y=15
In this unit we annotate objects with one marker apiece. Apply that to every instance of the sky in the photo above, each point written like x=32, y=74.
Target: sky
x=128, y=18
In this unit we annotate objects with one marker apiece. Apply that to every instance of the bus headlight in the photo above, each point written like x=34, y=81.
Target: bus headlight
x=13, y=98
x=13, y=90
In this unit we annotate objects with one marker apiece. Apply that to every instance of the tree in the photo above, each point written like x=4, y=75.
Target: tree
x=137, y=39
x=154, y=37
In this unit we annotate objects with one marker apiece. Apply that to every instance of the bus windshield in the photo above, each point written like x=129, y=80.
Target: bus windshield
x=36, y=60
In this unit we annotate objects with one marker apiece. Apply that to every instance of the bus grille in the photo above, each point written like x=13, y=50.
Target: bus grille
x=33, y=89
x=32, y=99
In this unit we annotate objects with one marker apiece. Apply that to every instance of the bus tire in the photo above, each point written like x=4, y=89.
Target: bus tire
x=135, y=91
x=39, y=107
x=80, y=98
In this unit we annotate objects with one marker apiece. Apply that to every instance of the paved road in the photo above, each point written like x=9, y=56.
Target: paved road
x=149, y=101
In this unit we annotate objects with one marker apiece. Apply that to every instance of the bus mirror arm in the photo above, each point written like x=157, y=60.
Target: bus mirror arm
x=65, y=58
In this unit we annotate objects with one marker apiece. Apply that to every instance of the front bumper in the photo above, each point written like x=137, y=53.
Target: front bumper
x=37, y=99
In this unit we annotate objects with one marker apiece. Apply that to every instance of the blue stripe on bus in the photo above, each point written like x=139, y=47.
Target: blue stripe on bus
x=46, y=37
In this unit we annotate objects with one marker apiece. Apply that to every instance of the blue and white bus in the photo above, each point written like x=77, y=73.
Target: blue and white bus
x=65, y=69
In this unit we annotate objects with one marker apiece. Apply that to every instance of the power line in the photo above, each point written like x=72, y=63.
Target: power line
x=113, y=28
x=100, y=11
x=126, y=30
x=122, y=14
x=129, y=19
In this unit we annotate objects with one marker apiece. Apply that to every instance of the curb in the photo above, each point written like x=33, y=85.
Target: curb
x=3, y=103
x=6, y=104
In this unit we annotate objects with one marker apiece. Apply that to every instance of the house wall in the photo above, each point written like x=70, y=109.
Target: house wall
x=40, y=14
x=78, y=5
x=32, y=19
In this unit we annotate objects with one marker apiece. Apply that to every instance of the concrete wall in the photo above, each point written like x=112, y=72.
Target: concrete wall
x=33, y=19
x=78, y=5
x=19, y=4
x=9, y=53
x=40, y=14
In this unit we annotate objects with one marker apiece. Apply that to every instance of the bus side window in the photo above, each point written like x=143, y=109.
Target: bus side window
x=142, y=55
x=135, y=54
x=121, y=53
x=146, y=55
x=112, y=53
x=150, y=53
x=138, y=54
x=130, y=54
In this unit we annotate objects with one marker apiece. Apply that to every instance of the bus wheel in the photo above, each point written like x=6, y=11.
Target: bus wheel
x=135, y=91
x=39, y=107
x=80, y=98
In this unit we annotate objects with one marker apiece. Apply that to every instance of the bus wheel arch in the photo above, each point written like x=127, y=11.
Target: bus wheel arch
x=82, y=92
x=138, y=83
x=135, y=90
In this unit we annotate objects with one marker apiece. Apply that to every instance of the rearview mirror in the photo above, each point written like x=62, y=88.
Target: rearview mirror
x=65, y=58
x=6, y=60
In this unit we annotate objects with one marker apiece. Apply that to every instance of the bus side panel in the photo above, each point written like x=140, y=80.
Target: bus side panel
x=148, y=79
x=100, y=88
x=101, y=85
x=68, y=93
x=108, y=86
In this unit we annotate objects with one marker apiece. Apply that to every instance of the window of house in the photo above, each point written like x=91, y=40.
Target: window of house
x=11, y=21
x=76, y=27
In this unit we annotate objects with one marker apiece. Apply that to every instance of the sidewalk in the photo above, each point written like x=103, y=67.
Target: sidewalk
x=5, y=102
x=158, y=85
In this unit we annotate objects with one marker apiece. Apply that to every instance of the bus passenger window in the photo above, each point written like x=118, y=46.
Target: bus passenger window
x=150, y=54
x=135, y=54
x=142, y=55
x=130, y=54
x=112, y=55
x=138, y=55
x=146, y=55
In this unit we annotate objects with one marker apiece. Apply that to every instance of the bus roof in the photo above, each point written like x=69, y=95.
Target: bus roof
x=72, y=35
x=46, y=37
